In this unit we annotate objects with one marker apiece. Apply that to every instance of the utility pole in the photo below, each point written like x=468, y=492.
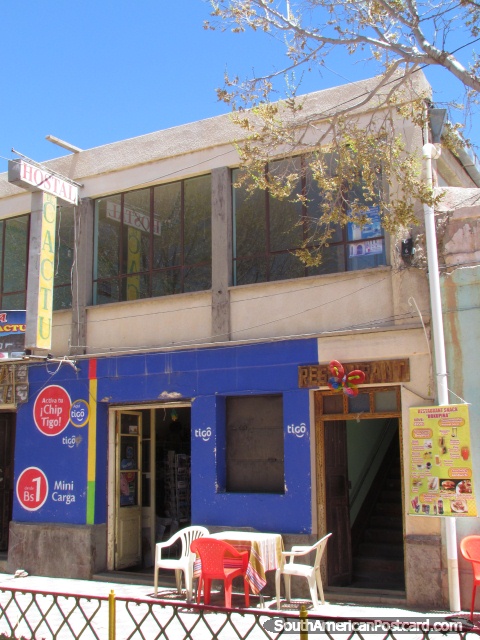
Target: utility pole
x=431, y=151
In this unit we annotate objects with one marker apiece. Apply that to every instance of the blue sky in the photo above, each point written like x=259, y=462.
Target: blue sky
x=98, y=71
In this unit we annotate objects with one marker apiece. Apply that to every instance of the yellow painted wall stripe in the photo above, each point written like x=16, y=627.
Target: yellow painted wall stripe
x=92, y=442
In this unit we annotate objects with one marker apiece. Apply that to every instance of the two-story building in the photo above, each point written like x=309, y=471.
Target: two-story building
x=188, y=381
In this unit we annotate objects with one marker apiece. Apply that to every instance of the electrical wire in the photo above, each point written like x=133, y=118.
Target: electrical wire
x=213, y=339
x=216, y=345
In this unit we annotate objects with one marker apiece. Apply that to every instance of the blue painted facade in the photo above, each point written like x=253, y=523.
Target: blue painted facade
x=204, y=377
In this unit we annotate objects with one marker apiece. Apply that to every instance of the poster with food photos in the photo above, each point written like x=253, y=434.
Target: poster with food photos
x=441, y=478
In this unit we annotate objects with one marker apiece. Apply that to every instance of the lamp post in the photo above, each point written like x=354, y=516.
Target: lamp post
x=430, y=152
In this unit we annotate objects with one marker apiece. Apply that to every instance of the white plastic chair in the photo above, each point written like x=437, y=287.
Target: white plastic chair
x=312, y=574
x=184, y=563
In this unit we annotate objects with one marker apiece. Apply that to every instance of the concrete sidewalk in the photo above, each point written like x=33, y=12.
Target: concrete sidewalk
x=139, y=614
x=167, y=592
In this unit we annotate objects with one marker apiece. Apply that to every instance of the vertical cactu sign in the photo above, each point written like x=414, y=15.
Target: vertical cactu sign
x=47, y=257
x=38, y=334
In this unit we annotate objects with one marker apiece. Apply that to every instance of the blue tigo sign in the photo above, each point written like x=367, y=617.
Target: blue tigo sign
x=12, y=334
x=79, y=413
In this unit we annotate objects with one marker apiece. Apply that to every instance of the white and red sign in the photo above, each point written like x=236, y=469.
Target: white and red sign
x=32, y=488
x=33, y=178
x=51, y=411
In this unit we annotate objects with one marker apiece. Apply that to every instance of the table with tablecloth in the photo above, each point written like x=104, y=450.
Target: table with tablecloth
x=265, y=553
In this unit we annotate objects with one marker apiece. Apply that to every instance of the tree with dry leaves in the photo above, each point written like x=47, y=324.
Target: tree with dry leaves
x=355, y=154
x=390, y=32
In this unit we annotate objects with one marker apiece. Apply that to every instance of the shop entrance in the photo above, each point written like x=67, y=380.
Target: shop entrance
x=7, y=440
x=359, y=484
x=151, y=480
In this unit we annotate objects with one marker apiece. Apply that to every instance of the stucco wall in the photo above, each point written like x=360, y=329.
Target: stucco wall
x=459, y=254
x=141, y=324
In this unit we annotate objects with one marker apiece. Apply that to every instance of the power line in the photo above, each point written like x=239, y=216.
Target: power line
x=270, y=322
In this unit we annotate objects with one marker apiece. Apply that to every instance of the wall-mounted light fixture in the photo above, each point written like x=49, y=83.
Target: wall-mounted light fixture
x=437, y=118
x=407, y=249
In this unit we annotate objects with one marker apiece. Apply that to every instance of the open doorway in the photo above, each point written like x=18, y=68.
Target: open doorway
x=150, y=481
x=375, y=497
x=7, y=440
x=173, y=471
x=360, y=488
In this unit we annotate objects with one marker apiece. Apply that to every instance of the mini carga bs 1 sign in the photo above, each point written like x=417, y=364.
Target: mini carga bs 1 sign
x=51, y=467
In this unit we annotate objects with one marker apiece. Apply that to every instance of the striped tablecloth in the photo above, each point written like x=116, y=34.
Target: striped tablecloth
x=265, y=551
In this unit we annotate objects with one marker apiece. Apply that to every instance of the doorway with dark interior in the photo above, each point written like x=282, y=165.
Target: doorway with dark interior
x=7, y=441
x=360, y=464
x=152, y=478
x=173, y=470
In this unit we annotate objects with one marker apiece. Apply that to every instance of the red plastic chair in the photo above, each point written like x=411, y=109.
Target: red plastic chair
x=470, y=549
x=220, y=561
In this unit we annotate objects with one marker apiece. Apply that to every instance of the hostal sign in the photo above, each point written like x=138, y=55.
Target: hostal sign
x=33, y=178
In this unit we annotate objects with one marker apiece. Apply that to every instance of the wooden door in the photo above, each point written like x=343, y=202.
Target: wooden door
x=337, y=503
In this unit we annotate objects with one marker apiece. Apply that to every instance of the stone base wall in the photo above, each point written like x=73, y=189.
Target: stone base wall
x=425, y=579
x=57, y=550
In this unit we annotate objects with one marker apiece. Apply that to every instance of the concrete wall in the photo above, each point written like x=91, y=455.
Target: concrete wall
x=150, y=323
x=311, y=305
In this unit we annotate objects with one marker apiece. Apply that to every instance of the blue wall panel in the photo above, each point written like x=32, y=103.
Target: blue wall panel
x=51, y=461
x=206, y=377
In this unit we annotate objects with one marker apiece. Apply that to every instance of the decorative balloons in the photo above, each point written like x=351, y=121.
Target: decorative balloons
x=348, y=382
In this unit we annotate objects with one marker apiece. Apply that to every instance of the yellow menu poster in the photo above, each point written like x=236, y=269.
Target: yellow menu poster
x=441, y=479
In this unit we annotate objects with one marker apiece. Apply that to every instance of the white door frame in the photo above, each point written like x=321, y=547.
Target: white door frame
x=111, y=467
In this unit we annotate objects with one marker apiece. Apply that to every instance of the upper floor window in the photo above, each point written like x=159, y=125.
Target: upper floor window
x=14, y=236
x=14, y=242
x=153, y=242
x=268, y=232
x=64, y=256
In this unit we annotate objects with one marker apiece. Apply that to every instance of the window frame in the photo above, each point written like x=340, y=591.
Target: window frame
x=5, y=295
x=269, y=254
x=344, y=400
x=67, y=263
x=119, y=281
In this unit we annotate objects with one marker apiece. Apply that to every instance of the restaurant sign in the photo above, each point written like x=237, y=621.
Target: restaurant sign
x=376, y=372
x=33, y=178
x=441, y=482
